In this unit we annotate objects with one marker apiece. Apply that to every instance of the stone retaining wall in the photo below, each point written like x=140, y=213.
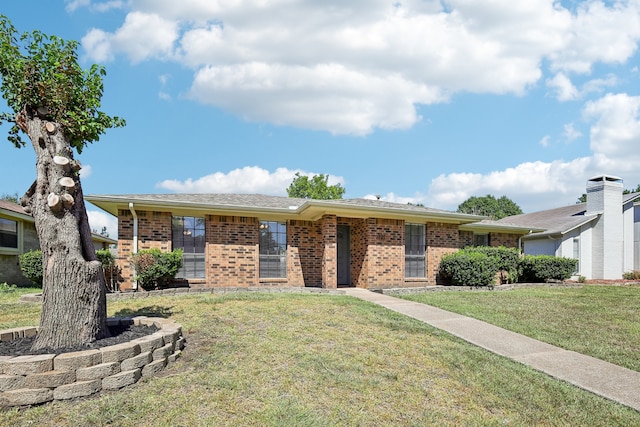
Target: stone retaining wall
x=31, y=380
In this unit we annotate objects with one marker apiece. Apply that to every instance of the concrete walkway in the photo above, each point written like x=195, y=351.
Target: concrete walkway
x=605, y=379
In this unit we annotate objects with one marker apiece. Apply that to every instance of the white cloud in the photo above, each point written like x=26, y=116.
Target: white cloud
x=86, y=171
x=571, y=133
x=353, y=67
x=249, y=179
x=565, y=90
x=72, y=5
x=99, y=219
x=614, y=134
x=545, y=141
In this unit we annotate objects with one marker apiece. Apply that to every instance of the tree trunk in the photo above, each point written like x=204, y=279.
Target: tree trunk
x=74, y=308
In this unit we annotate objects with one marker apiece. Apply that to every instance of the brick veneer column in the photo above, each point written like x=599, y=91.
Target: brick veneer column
x=305, y=249
x=154, y=232
x=330, y=253
x=442, y=239
x=385, y=253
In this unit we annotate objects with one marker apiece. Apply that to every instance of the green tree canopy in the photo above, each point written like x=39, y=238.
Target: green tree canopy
x=315, y=188
x=41, y=77
x=10, y=197
x=490, y=206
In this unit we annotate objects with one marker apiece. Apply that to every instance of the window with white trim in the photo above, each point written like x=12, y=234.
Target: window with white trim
x=415, y=263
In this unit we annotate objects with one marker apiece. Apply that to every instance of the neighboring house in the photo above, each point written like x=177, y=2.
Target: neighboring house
x=18, y=235
x=236, y=240
x=603, y=233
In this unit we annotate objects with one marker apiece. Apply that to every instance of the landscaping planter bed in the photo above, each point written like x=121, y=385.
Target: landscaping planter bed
x=40, y=378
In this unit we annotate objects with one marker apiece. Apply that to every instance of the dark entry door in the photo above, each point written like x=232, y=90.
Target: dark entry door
x=344, y=255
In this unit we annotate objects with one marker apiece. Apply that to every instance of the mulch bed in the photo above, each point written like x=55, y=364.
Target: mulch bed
x=119, y=335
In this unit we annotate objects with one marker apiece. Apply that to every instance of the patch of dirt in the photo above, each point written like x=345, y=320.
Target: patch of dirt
x=119, y=335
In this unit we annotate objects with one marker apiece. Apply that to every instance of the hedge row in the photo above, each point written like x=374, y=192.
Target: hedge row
x=481, y=265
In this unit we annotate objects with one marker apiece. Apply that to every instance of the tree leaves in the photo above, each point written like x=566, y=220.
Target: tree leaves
x=42, y=72
x=315, y=188
x=490, y=206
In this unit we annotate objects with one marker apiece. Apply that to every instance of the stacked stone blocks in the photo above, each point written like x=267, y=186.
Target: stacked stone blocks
x=36, y=379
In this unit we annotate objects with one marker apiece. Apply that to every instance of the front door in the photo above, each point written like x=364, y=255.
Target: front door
x=344, y=255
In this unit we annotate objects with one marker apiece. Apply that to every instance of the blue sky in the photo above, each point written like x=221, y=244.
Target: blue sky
x=417, y=101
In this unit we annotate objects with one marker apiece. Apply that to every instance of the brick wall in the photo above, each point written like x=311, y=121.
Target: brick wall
x=329, y=227
x=466, y=239
x=442, y=239
x=305, y=247
x=503, y=239
x=385, y=253
x=231, y=252
x=154, y=232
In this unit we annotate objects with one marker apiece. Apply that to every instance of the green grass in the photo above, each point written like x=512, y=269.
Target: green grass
x=600, y=321
x=318, y=360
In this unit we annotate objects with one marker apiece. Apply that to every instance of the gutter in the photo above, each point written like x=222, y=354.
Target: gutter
x=135, y=242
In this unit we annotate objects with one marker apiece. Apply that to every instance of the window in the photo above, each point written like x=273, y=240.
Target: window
x=188, y=234
x=480, y=240
x=8, y=234
x=414, y=250
x=273, y=249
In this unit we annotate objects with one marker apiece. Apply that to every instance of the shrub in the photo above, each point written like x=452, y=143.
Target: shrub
x=469, y=268
x=5, y=287
x=544, y=268
x=31, y=266
x=508, y=260
x=631, y=275
x=109, y=267
x=156, y=269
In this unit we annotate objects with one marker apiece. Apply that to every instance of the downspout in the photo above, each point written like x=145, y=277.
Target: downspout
x=135, y=243
x=520, y=241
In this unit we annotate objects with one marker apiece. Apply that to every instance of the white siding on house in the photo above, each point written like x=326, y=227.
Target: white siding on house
x=544, y=246
x=628, y=213
x=636, y=237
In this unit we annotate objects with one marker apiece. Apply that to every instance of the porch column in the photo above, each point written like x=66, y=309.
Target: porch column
x=330, y=252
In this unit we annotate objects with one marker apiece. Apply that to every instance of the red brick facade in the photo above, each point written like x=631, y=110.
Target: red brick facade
x=232, y=250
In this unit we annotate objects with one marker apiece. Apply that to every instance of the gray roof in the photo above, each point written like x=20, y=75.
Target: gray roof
x=559, y=220
x=554, y=221
x=246, y=204
x=14, y=208
x=260, y=201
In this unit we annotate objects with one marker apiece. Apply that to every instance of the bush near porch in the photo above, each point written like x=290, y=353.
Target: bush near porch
x=483, y=266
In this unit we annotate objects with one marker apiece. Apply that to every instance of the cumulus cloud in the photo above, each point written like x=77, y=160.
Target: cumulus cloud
x=571, y=133
x=249, y=179
x=86, y=171
x=354, y=67
x=614, y=132
x=99, y=219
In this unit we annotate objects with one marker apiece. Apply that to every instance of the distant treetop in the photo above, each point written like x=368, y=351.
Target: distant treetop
x=315, y=188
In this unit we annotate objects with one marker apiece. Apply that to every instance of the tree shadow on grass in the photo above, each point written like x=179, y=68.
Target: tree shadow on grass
x=151, y=311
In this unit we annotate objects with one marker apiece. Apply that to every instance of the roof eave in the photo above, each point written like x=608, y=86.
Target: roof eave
x=309, y=210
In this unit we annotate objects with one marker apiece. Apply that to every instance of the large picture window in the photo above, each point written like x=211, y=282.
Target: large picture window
x=273, y=249
x=415, y=264
x=8, y=234
x=188, y=234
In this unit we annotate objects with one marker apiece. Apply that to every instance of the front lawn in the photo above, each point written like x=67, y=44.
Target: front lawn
x=600, y=321
x=318, y=360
